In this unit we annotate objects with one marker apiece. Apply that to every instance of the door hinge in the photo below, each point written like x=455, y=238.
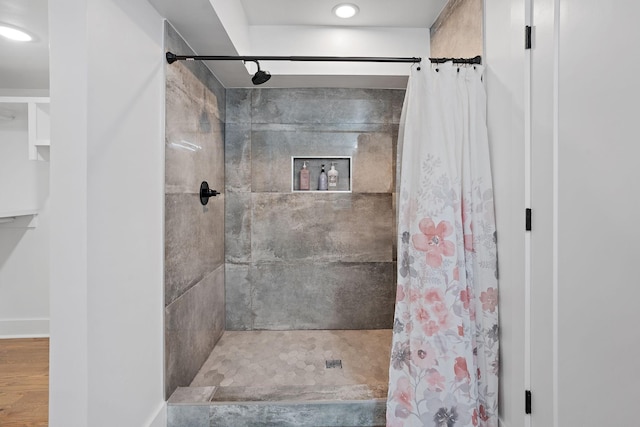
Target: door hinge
x=527, y=37
x=527, y=401
x=527, y=220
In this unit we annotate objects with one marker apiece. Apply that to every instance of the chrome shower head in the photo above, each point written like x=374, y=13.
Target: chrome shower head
x=260, y=76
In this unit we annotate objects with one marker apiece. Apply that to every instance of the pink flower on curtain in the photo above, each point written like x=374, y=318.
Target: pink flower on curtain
x=435, y=381
x=422, y=315
x=468, y=242
x=403, y=393
x=414, y=295
x=424, y=355
x=483, y=414
x=407, y=320
x=465, y=297
x=467, y=238
x=464, y=210
x=409, y=327
x=430, y=328
x=432, y=241
x=460, y=369
x=434, y=295
x=489, y=300
x=400, y=293
x=442, y=312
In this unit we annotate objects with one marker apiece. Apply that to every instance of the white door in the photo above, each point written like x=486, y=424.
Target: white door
x=585, y=195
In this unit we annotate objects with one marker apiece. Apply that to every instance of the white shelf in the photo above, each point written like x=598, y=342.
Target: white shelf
x=38, y=122
x=23, y=212
x=38, y=128
x=19, y=219
x=24, y=99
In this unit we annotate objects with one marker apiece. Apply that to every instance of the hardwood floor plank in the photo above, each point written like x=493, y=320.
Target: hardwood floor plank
x=24, y=382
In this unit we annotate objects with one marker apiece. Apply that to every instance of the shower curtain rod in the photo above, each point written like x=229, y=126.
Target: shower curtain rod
x=474, y=60
x=172, y=57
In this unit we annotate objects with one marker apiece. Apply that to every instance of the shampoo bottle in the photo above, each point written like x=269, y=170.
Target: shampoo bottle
x=304, y=177
x=333, y=177
x=322, y=180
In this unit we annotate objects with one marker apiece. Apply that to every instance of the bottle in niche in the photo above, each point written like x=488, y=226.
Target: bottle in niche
x=304, y=177
x=333, y=177
x=322, y=180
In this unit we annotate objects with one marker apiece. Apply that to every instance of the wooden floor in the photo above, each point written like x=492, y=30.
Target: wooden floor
x=24, y=382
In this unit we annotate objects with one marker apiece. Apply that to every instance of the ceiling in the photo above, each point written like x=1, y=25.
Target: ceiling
x=257, y=27
x=29, y=64
x=374, y=13
x=383, y=28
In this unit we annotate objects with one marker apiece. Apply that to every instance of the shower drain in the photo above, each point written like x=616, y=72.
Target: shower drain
x=336, y=363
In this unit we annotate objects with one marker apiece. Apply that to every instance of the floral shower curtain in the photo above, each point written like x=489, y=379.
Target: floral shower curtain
x=444, y=361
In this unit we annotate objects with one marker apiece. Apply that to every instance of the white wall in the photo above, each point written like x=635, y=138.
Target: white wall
x=107, y=105
x=234, y=20
x=24, y=252
x=505, y=82
x=338, y=41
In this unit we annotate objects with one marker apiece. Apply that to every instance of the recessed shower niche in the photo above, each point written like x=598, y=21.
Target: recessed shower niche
x=338, y=169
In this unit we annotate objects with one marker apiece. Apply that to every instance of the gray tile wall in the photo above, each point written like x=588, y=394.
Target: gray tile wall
x=309, y=260
x=457, y=32
x=194, y=234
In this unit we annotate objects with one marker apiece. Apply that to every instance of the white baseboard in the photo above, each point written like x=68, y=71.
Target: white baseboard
x=24, y=328
x=160, y=419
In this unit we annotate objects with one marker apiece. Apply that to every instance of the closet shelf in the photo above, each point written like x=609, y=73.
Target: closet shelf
x=12, y=214
x=19, y=219
x=38, y=123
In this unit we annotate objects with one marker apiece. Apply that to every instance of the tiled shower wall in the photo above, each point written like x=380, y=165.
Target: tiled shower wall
x=194, y=234
x=309, y=260
x=457, y=33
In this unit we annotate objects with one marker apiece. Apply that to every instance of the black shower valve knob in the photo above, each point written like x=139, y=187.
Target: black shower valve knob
x=206, y=192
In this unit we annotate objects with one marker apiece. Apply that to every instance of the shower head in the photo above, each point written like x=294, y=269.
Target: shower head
x=260, y=76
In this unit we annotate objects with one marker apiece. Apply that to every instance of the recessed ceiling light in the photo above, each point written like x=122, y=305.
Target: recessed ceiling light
x=345, y=10
x=15, y=34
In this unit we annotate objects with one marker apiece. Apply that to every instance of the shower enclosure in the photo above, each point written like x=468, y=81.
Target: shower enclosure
x=279, y=304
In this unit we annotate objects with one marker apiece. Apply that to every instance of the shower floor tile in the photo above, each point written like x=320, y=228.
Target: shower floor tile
x=298, y=358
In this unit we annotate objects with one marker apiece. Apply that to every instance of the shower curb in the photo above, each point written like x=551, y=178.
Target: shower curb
x=367, y=412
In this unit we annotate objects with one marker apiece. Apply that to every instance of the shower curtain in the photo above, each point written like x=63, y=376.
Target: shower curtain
x=444, y=360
